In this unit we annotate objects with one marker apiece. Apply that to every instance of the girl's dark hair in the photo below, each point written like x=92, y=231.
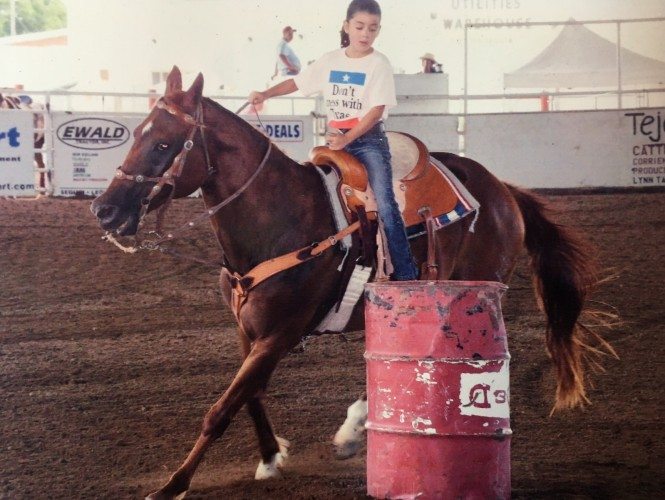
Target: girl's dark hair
x=369, y=6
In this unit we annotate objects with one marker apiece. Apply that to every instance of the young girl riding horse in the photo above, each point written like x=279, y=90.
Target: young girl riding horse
x=358, y=87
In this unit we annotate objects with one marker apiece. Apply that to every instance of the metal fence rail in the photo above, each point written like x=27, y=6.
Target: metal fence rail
x=140, y=103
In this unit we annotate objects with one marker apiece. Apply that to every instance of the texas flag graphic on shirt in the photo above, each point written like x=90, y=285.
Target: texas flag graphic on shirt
x=347, y=77
x=345, y=101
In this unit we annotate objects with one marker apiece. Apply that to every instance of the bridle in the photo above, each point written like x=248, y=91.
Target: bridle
x=172, y=173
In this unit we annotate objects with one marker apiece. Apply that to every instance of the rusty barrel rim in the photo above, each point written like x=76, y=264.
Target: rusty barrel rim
x=384, y=285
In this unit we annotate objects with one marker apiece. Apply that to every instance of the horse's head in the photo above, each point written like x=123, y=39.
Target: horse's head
x=167, y=159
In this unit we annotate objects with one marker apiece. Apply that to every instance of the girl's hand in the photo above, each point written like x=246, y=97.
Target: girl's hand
x=256, y=97
x=336, y=141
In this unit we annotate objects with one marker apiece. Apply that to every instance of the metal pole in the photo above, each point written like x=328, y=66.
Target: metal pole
x=12, y=17
x=466, y=66
x=619, y=89
x=49, y=144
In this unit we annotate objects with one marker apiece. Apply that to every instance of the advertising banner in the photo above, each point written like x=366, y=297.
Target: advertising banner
x=646, y=130
x=293, y=134
x=87, y=149
x=17, y=176
x=572, y=149
x=612, y=148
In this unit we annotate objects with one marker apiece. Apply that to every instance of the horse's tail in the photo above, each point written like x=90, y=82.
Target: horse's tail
x=565, y=271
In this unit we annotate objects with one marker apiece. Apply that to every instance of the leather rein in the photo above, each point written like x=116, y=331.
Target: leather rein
x=240, y=284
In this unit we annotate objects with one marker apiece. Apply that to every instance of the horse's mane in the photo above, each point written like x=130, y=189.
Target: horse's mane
x=246, y=126
x=229, y=114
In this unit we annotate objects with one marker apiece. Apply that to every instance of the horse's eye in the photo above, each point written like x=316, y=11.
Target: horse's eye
x=162, y=146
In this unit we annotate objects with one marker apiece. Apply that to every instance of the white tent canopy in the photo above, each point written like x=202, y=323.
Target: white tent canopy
x=580, y=58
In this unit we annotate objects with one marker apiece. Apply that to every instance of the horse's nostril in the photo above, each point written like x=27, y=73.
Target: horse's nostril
x=105, y=212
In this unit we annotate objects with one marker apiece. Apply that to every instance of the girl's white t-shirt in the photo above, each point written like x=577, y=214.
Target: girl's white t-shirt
x=351, y=86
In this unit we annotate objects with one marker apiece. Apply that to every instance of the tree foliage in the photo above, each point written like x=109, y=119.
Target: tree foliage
x=33, y=15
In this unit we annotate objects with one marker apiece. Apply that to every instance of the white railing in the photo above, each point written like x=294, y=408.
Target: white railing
x=139, y=103
x=461, y=104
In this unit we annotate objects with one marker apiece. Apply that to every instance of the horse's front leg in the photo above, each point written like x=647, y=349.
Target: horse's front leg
x=252, y=376
x=274, y=449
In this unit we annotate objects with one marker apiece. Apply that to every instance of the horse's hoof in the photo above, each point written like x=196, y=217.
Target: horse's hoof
x=271, y=470
x=284, y=445
x=175, y=489
x=346, y=450
x=160, y=495
x=349, y=437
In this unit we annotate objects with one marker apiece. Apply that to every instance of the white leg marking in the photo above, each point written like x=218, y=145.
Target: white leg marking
x=348, y=438
x=269, y=470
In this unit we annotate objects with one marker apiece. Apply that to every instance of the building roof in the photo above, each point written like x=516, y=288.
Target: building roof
x=38, y=39
x=579, y=57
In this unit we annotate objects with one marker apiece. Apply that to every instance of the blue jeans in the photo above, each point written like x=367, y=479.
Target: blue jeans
x=372, y=150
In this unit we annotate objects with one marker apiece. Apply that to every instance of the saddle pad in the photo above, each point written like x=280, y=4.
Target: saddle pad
x=338, y=318
x=330, y=181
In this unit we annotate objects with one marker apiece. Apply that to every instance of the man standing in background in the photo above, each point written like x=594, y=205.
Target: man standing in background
x=288, y=63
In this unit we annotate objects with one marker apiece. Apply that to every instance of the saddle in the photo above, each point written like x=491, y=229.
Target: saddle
x=419, y=186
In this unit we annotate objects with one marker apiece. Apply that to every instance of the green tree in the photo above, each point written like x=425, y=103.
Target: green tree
x=33, y=15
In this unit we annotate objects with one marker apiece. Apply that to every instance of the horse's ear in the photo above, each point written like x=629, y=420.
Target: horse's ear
x=173, y=81
x=193, y=95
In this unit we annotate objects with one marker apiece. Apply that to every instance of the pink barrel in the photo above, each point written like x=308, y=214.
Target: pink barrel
x=438, y=423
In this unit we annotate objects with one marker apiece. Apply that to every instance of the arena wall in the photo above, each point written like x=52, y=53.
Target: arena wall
x=575, y=149
x=616, y=148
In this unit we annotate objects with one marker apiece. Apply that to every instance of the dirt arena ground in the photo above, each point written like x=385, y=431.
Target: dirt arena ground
x=109, y=361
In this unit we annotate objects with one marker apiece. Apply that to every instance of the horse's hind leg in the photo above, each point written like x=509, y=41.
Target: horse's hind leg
x=252, y=376
x=449, y=241
x=350, y=436
x=274, y=449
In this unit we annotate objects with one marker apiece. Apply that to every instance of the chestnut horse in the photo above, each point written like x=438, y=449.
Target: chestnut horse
x=267, y=205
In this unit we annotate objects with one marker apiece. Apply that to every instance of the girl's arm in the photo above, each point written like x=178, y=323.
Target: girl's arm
x=282, y=88
x=339, y=141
